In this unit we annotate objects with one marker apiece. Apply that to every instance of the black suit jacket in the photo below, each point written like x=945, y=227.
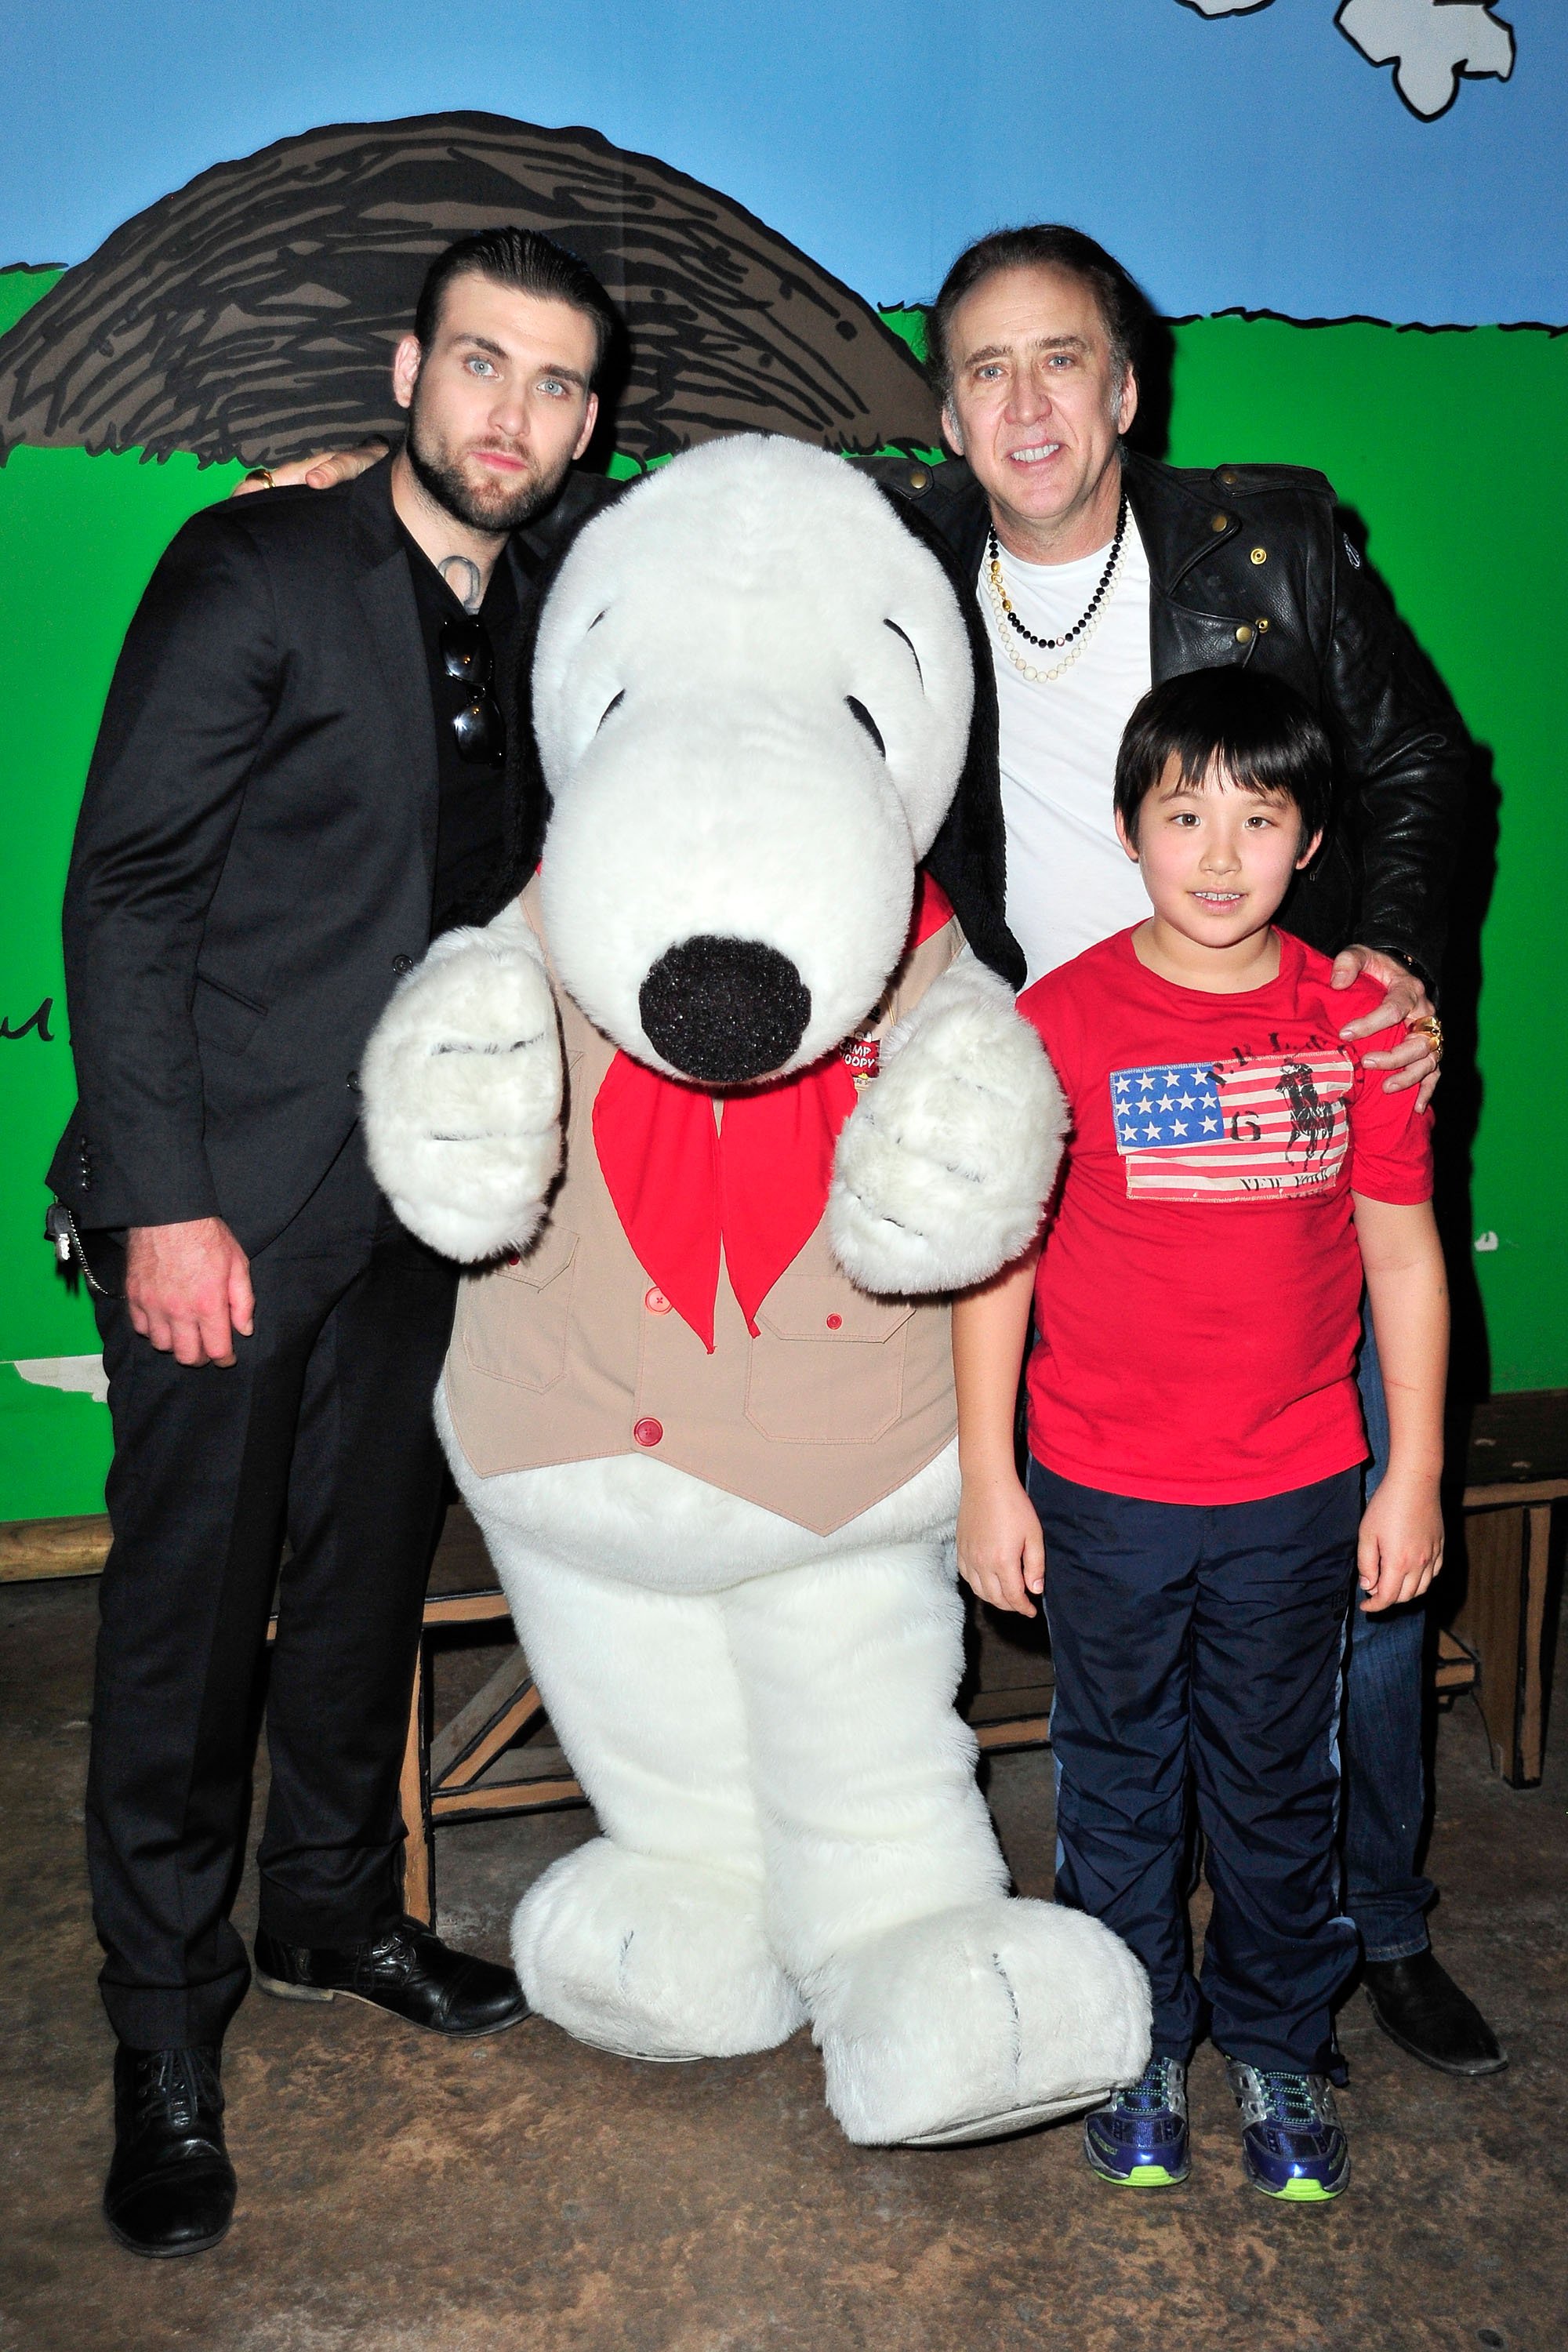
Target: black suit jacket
x=254, y=859
x=1252, y=564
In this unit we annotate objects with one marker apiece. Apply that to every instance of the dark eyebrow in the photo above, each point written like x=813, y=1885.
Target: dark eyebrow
x=1036, y=343
x=498, y=350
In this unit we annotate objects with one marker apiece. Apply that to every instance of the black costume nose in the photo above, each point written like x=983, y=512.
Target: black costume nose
x=723, y=1011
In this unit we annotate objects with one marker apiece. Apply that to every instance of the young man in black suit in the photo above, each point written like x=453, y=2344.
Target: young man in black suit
x=296, y=786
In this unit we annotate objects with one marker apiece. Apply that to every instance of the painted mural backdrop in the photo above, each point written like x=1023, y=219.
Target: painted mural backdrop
x=250, y=311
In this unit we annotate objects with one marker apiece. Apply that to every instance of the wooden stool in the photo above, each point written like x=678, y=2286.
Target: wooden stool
x=1517, y=1468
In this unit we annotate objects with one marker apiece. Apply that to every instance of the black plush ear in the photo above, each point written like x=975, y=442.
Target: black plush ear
x=969, y=855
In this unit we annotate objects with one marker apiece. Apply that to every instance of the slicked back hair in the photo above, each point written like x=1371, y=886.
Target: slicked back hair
x=530, y=263
x=1124, y=307
x=1256, y=731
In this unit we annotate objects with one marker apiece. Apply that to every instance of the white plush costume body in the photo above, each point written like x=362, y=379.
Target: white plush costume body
x=752, y=699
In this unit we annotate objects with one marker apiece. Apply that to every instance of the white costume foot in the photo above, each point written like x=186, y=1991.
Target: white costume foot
x=979, y=2021
x=650, y=1958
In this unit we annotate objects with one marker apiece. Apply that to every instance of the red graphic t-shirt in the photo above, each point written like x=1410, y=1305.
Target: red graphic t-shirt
x=1198, y=1296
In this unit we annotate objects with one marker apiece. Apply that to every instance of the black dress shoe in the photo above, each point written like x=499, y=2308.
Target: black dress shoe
x=406, y=1969
x=1418, y=2005
x=170, y=2185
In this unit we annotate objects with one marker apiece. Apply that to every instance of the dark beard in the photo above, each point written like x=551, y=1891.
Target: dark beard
x=445, y=483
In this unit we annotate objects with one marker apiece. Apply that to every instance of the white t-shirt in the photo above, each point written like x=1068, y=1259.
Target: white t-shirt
x=1069, y=882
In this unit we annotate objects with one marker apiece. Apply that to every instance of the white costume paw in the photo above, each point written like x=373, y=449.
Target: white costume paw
x=650, y=1958
x=461, y=1082
x=945, y=1165
x=979, y=2021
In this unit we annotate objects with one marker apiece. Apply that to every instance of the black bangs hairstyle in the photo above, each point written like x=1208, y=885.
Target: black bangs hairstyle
x=1257, y=731
x=528, y=263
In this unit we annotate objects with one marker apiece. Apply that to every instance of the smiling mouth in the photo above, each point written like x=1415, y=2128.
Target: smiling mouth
x=1035, y=456
x=1219, y=899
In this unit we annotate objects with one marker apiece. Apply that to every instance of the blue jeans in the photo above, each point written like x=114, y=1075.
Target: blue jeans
x=1202, y=1645
x=1381, y=1742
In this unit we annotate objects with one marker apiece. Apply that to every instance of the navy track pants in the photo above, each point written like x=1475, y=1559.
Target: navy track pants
x=1199, y=1649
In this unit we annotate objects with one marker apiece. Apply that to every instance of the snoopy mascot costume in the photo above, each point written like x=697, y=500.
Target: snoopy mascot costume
x=721, y=1108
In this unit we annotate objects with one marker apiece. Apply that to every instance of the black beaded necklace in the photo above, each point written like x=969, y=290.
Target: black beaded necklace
x=1053, y=644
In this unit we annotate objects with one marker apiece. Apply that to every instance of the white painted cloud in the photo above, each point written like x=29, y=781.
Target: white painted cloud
x=1431, y=44
x=79, y=1375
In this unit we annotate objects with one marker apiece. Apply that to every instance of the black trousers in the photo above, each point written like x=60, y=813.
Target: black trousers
x=322, y=1430
x=1200, y=1647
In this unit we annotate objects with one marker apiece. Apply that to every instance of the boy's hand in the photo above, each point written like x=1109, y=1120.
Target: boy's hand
x=1401, y=1546
x=1001, y=1552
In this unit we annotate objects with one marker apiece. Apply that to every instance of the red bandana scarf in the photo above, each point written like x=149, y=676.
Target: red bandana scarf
x=683, y=1185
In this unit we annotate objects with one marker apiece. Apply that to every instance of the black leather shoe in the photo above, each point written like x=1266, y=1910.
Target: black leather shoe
x=406, y=1970
x=171, y=2186
x=1418, y=2005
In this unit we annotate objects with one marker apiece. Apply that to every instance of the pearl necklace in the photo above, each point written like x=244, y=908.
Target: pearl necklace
x=1076, y=638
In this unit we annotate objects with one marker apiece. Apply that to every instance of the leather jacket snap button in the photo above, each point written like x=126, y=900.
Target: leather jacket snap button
x=402, y=964
x=648, y=1432
x=1219, y=522
x=1260, y=555
x=1244, y=634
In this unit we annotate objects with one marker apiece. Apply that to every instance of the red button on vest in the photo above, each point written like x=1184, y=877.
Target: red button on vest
x=656, y=1302
x=836, y=1322
x=648, y=1432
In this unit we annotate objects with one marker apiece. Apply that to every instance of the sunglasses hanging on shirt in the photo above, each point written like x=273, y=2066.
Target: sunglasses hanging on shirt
x=467, y=659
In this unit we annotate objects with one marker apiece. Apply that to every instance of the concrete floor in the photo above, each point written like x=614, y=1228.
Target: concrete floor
x=397, y=2196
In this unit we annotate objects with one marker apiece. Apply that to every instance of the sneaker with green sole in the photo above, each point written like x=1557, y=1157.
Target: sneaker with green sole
x=1139, y=2139
x=1292, y=2143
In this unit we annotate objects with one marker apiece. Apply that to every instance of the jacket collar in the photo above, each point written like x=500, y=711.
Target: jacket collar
x=1179, y=516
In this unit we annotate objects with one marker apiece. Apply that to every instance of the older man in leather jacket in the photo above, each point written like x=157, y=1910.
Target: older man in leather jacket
x=1100, y=571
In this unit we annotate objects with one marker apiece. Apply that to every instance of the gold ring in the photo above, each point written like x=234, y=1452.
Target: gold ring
x=1432, y=1030
x=261, y=474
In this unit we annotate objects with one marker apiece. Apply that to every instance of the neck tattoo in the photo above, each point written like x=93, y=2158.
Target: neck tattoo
x=461, y=574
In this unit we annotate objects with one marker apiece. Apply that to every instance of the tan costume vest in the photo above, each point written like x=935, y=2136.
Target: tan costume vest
x=572, y=1354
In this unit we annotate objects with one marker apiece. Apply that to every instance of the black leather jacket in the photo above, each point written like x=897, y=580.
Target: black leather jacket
x=1250, y=563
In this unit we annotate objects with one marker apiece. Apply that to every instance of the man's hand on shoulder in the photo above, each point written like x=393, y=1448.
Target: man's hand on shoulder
x=324, y=471
x=1414, y=1061
x=187, y=1288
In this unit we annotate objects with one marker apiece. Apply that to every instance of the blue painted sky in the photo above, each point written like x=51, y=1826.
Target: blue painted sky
x=1255, y=161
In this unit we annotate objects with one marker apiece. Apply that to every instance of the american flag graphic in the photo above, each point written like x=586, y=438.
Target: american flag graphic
x=1244, y=1128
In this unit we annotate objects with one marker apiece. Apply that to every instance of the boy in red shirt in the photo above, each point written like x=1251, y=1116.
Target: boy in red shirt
x=1194, y=1431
